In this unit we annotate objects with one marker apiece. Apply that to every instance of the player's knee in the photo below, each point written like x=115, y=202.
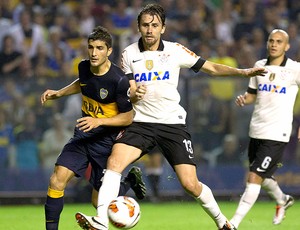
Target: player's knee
x=57, y=183
x=191, y=187
x=115, y=164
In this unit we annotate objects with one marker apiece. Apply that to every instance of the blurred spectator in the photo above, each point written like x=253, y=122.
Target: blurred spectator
x=7, y=141
x=28, y=35
x=241, y=117
x=28, y=136
x=23, y=5
x=86, y=21
x=80, y=53
x=230, y=153
x=271, y=20
x=5, y=20
x=294, y=34
x=258, y=43
x=247, y=21
x=121, y=20
x=40, y=63
x=58, y=64
x=223, y=89
x=10, y=59
x=10, y=91
x=56, y=40
x=223, y=26
x=209, y=119
x=283, y=13
x=129, y=36
x=244, y=53
x=134, y=8
x=52, y=142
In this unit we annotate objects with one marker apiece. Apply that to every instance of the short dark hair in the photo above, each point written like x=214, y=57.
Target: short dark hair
x=102, y=34
x=153, y=9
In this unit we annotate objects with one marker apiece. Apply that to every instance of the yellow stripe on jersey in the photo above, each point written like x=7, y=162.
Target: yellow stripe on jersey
x=98, y=110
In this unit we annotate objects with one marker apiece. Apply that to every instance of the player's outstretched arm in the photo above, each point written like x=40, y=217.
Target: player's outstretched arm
x=50, y=94
x=224, y=70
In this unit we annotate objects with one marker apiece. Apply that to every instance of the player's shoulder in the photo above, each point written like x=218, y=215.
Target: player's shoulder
x=169, y=45
x=132, y=47
x=261, y=62
x=84, y=63
x=117, y=70
x=292, y=63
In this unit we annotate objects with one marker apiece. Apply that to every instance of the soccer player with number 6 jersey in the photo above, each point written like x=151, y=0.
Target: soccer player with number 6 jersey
x=270, y=126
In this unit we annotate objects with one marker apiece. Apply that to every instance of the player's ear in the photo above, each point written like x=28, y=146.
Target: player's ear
x=109, y=51
x=163, y=30
x=287, y=47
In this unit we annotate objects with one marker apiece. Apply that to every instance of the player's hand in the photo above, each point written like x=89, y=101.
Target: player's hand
x=240, y=100
x=140, y=92
x=86, y=124
x=49, y=95
x=258, y=71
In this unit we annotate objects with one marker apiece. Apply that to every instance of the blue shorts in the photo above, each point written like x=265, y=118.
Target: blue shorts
x=84, y=148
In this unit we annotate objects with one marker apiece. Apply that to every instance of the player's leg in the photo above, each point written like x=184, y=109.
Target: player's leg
x=283, y=201
x=248, y=198
x=201, y=192
x=264, y=157
x=55, y=196
x=176, y=145
x=122, y=155
x=133, y=180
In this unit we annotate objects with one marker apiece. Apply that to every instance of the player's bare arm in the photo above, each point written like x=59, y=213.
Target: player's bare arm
x=245, y=99
x=50, y=94
x=223, y=70
x=88, y=123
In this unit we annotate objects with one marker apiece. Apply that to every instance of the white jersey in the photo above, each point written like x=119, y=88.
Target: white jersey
x=276, y=94
x=159, y=71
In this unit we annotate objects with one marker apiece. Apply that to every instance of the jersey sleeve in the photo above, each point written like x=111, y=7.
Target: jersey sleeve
x=186, y=57
x=123, y=95
x=125, y=62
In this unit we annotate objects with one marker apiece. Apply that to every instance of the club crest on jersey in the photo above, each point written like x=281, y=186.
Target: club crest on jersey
x=103, y=93
x=272, y=77
x=149, y=64
x=164, y=58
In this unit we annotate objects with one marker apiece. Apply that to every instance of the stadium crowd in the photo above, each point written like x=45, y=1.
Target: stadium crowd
x=42, y=41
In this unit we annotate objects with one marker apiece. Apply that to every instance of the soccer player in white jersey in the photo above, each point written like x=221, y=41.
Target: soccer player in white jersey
x=270, y=126
x=153, y=66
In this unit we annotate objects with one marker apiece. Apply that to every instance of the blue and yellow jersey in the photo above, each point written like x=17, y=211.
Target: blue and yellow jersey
x=106, y=95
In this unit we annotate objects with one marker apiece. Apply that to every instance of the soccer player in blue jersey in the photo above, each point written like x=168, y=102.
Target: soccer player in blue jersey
x=106, y=110
x=153, y=67
x=271, y=125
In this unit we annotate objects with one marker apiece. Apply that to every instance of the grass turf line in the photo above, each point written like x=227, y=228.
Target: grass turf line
x=163, y=216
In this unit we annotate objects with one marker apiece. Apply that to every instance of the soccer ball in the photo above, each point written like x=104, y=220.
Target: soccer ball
x=124, y=212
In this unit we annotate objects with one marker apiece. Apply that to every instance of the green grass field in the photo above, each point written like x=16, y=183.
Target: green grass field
x=163, y=216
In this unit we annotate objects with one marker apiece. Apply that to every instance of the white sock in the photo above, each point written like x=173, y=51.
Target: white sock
x=108, y=191
x=246, y=202
x=272, y=188
x=210, y=206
